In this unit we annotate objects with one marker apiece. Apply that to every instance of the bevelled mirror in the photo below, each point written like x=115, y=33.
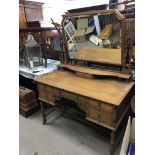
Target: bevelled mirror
x=95, y=36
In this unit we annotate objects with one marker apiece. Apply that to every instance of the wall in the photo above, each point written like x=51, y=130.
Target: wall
x=55, y=8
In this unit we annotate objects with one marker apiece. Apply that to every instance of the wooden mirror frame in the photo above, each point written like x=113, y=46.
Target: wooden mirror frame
x=118, y=15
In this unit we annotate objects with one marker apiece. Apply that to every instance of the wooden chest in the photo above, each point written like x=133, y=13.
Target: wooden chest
x=27, y=99
x=26, y=95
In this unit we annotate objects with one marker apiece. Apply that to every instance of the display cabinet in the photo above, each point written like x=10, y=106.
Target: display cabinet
x=30, y=13
x=33, y=11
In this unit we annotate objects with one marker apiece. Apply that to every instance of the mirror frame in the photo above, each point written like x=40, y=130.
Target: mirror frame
x=118, y=15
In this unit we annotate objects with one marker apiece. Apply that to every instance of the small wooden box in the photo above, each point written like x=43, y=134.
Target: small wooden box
x=27, y=101
x=26, y=95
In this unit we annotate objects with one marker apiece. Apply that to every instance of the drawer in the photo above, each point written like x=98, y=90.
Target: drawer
x=83, y=103
x=100, y=112
x=93, y=109
x=68, y=95
x=84, y=75
x=41, y=89
x=51, y=94
x=52, y=90
x=107, y=114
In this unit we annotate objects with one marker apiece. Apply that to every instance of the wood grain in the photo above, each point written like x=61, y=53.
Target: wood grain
x=108, y=91
x=33, y=11
x=22, y=18
x=93, y=71
x=100, y=55
x=94, y=12
x=106, y=32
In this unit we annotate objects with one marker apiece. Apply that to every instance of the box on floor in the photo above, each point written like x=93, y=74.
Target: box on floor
x=129, y=138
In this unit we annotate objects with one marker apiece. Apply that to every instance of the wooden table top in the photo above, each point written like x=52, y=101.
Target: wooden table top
x=109, y=91
x=101, y=55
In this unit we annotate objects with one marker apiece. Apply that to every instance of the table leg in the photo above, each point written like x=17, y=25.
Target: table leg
x=43, y=112
x=112, y=142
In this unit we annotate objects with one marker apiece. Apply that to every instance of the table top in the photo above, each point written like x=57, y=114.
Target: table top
x=33, y=73
x=100, y=55
x=109, y=91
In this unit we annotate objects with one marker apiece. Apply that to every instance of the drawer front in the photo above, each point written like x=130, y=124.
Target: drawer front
x=100, y=112
x=41, y=89
x=68, y=95
x=83, y=103
x=107, y=114
x=52, y=90
x=52, y=94
x=49, y=95
x=84, y=75
x=93, y=110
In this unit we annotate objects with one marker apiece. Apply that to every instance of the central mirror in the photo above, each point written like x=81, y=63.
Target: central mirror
x=95, y=36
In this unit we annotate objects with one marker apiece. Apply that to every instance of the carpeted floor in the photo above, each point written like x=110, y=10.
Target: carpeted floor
x=60, y=136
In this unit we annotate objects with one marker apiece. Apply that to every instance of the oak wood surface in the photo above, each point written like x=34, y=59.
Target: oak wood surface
x=106, y=32
x=93, y=71
x=108, y=91
x=94, y=12
x=33, y=11
x=22, y=18
x=101, y=55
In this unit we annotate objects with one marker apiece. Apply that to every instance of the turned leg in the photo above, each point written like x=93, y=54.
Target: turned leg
x=112, y=142
x=43, y=112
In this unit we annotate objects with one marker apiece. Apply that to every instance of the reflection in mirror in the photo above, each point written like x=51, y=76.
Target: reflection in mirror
x=92, y=31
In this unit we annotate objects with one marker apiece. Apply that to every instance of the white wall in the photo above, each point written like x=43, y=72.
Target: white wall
x=55, y=8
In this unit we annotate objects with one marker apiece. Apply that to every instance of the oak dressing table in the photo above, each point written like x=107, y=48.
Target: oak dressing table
x=104, y=95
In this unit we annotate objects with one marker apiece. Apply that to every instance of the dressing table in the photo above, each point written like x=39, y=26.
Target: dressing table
x=103, y=95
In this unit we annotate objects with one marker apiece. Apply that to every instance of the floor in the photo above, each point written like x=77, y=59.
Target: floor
x=60, y=136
